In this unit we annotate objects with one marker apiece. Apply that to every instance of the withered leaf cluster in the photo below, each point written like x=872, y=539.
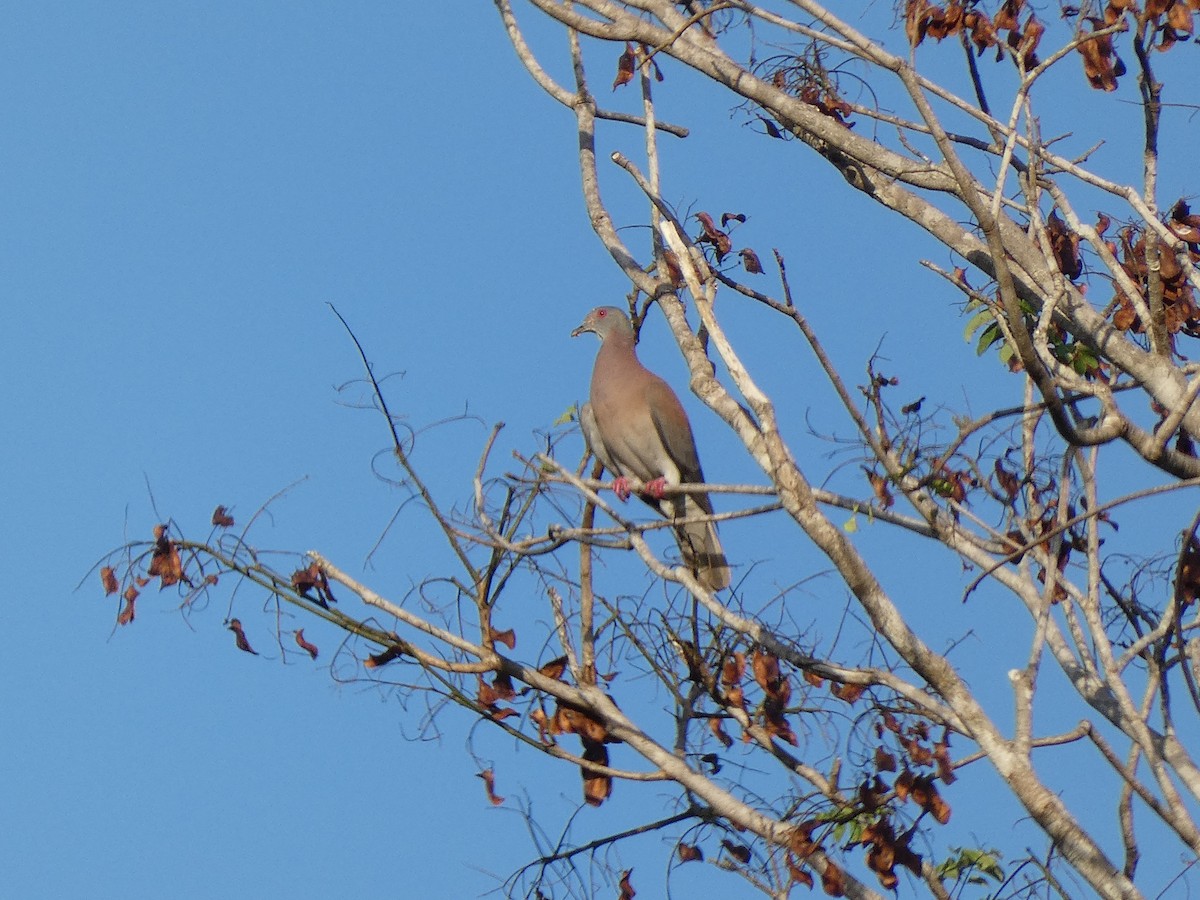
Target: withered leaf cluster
x=721, y=243
x=1166, y=22
x=165, y=563
x=925, y=19
x=313, y=579
x=1134, y=247
x=571, y=719
x=886, y=850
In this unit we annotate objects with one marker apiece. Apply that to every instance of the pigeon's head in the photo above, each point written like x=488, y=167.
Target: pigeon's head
x=603, y=321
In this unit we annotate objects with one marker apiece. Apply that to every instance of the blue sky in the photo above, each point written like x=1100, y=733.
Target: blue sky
x=186, y=188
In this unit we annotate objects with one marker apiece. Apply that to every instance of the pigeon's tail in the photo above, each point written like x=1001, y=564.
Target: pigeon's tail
x=700, y=546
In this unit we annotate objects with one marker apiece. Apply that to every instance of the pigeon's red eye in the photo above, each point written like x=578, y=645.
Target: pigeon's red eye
x=602, y=313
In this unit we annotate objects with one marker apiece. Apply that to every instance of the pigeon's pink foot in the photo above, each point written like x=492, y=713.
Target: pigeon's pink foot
x=620, y=487
x=657, y=487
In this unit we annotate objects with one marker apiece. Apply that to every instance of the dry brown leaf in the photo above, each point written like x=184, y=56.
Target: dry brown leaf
x=716, y=726
x=235, y=625
x=310, y=649
x=626, y=66
x=690, y=853
x=884, y=761
x=737, y=851
x=765, y=666
x=879, y=484
x=489, y=783
x=833, y=880
x=108, y=578
x=375, y=660
x=750, y=261
x=221, y=518
x=555, y=668
x=627, y=891
x=799, y=875
x=165, y=563
x=847, y=692
x=508, y=638
x=1101, y=65
x=125, y=616
x=670, y=267
x=925, y=794
x=597, y=787
x=941, y=756
x=313, y=578
x=713, y=235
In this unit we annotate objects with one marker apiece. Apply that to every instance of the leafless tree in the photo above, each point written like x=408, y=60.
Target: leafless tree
x=859, y=742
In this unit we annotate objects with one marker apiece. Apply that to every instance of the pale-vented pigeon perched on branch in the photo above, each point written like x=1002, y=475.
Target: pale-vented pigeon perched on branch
x=637, y=428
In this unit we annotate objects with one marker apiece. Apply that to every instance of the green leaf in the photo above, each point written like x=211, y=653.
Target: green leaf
x=850, y=525
x=570, y=415
x=987, y=337
x=974, y=864
x=976, y=322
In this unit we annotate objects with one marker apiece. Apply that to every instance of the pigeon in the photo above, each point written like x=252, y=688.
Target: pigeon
x=635, y=425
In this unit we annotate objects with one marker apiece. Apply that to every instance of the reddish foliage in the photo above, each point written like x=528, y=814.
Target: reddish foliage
x=1187, y=578
x=737, y=851
x=925, y=794
x=799, y=875
x=1064, y=243
x=827, y=103
x=690, y=853
x=1008, y=481
x=847, y=692
x=489, y=783
x=1101, y=64
x=884, y=761
x=597, y=787
x=309, y=648
x=833, y=880
x=941, y=756
x=235, y=625
x=750, y=261
x=555, y=668
x=108, y=578
x=713, y=235
x=766, y=669
x=127, y=613
x=879, y=484
x=221, y=518
x=375, y=660
x=508, y=638
x=627, y=891
x=885, y=851
x=871, y=793
x=313, y=578
x=626, y=66
x=165, y=563
x=670, y=268
x=718, y=729
x=732, y=674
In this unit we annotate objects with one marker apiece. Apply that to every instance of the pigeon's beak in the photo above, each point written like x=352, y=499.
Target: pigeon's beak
x=582, y=329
